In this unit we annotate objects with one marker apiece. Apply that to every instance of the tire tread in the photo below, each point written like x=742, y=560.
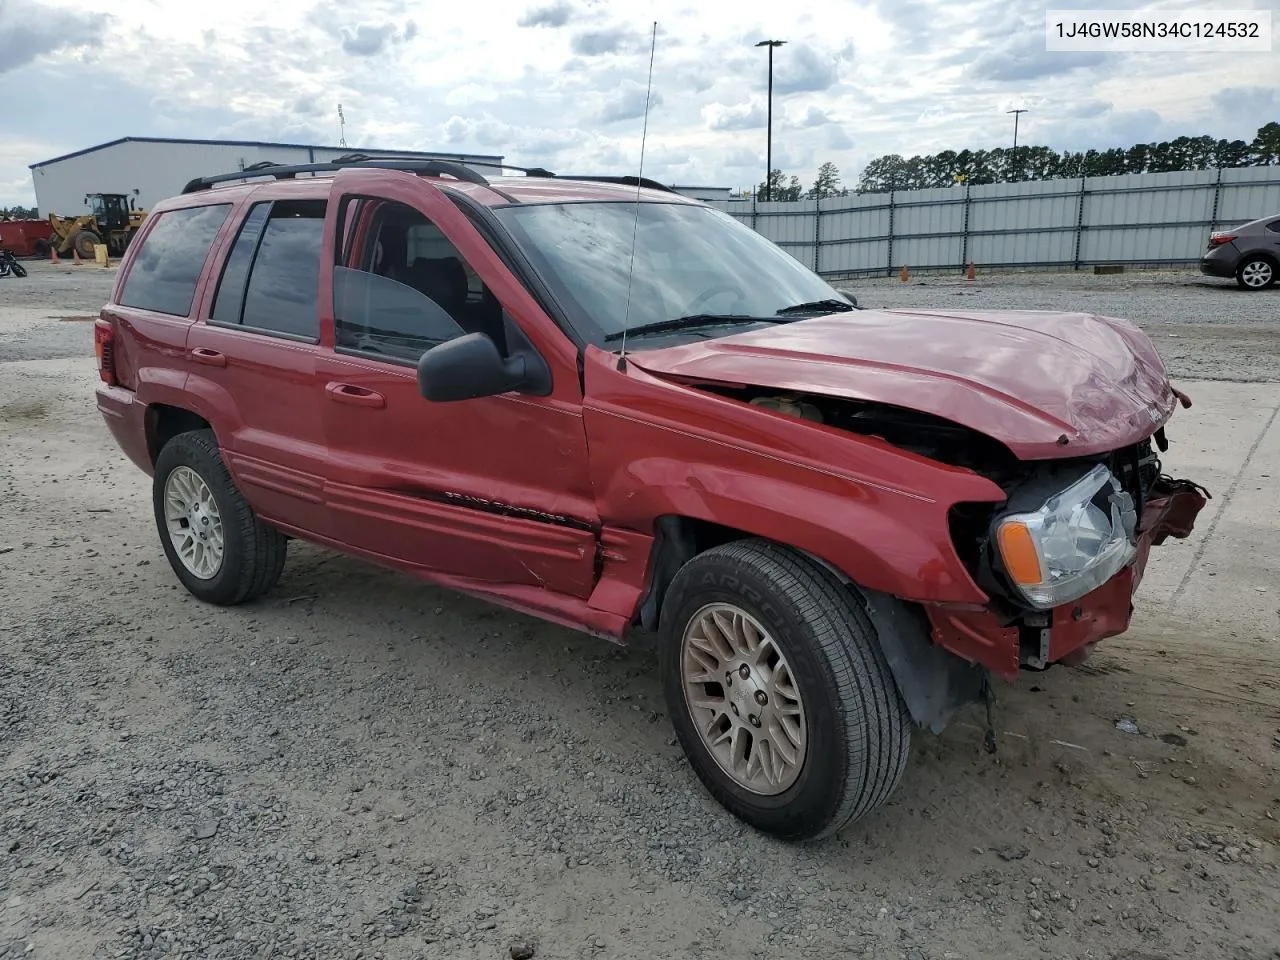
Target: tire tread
x=264, y=548
x=877, y=737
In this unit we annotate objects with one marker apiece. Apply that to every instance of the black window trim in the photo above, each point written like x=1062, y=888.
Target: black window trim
x=158, y=218
x=244, y=293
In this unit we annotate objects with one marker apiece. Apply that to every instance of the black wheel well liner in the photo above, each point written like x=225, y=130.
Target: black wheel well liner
x=933, y=682
x=165, y=421
x=677, y=539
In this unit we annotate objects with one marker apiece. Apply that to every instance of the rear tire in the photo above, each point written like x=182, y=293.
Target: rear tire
x=823, y=678
x=194, y=498
x=1256, y=273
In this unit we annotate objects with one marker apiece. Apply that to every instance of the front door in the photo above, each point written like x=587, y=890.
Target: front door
x=492, y=492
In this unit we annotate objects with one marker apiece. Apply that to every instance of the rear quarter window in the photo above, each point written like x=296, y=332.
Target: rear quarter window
x=168, y=264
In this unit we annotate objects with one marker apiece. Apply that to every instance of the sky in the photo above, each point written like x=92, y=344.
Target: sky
x=561, y=83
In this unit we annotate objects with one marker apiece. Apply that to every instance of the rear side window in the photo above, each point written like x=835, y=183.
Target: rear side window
x=167, y=266
x=271, y=278
x=1274, y=226
x=229, y=300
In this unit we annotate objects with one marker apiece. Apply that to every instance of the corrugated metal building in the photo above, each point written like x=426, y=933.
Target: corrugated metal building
x=150, y=169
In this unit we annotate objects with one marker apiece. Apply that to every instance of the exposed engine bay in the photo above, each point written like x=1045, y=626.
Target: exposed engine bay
x=1137, y=471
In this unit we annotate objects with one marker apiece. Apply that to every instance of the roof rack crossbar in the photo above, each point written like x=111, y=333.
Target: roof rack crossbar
x=625, y=181
x=286, y=172
x=488, y=164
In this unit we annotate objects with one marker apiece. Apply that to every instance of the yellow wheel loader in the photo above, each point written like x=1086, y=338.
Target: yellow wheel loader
x=114, y=221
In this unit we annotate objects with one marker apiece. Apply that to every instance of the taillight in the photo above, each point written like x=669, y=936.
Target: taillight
x=1218, y=239
x=104, y=335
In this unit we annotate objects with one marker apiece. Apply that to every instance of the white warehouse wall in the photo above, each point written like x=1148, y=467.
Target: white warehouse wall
x=158, y=170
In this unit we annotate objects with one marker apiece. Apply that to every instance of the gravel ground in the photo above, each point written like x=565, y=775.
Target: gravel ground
x=360, y=766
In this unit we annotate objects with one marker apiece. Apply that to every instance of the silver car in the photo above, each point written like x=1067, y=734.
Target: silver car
x=1250, y=253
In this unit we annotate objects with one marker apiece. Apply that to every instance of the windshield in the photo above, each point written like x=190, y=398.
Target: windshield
x=689, y=260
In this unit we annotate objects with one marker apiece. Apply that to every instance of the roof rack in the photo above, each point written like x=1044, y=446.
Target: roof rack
x=266, y=168
x=625, y=181
x=430, y=168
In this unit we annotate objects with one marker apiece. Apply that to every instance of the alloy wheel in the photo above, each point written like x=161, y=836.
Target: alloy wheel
x=743, y=699
x=1256, y=274
x=194, y=523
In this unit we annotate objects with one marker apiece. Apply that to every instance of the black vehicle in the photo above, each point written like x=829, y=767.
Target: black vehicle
x=9, y=264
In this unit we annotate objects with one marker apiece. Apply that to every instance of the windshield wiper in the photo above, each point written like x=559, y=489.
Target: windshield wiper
x=818, y=306
x=689, y=323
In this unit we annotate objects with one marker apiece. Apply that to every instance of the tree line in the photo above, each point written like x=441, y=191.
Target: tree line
x=1002, y=165
x=19, y=213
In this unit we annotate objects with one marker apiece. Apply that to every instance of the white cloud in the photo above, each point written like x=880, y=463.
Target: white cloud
x=742, y=116
x=560, y=82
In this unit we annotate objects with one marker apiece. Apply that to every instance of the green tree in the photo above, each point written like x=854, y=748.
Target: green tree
x=1232, y=153
x=827, y=183
x=1266, y=145
x=19, y=213
x=948, y=167
x=778, y=188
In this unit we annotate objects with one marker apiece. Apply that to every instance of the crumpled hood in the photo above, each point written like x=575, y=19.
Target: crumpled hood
x=1046, y=384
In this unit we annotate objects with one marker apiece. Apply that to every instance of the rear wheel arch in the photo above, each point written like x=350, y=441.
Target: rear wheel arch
x=1251, y=257
x=165, y=421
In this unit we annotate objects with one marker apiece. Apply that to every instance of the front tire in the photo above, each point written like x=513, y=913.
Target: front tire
x=215, y=543
x=1256, y=273
x=84, y=242
x=779, y=692
x=18, y=269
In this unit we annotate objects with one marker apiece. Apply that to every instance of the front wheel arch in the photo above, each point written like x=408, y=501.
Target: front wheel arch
x=933, y=682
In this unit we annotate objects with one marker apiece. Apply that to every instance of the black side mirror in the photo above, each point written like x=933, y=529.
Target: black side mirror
x=467, y=367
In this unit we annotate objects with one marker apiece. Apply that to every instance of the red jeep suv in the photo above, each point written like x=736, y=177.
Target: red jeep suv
x=601, y=403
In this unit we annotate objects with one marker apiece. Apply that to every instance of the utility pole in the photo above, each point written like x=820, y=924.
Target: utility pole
x=768, y=163
x=1015, y=113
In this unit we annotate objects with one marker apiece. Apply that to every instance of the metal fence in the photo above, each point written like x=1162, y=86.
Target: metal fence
x=1150, y=218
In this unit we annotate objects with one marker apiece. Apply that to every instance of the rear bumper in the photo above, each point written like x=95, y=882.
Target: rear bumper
x=998, y=644
x=1220, y=262
x=126, y=418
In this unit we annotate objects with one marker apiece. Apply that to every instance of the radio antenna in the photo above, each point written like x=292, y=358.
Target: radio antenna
x=635, y=226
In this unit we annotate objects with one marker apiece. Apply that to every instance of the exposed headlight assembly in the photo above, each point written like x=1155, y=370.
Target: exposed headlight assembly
x=1075, y=542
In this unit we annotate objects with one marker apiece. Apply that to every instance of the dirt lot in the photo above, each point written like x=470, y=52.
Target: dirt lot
x=362, y=766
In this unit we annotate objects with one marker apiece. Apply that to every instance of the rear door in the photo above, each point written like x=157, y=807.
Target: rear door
x=494, y=491
x=153, y=303
x=253, y=357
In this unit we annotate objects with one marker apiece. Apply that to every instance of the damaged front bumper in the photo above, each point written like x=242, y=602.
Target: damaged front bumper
x=1005, y=640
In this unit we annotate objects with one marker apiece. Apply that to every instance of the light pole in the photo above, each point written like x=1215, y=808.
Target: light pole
x=768, y=163
x=1015, y=133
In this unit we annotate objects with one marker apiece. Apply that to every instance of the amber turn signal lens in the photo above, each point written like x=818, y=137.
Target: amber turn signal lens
x=1019, y=552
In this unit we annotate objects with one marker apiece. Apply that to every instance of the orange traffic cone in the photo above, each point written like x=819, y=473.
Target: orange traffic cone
x=903, y=275
x=53, y=255
x=77, y=254
x=970, y=274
